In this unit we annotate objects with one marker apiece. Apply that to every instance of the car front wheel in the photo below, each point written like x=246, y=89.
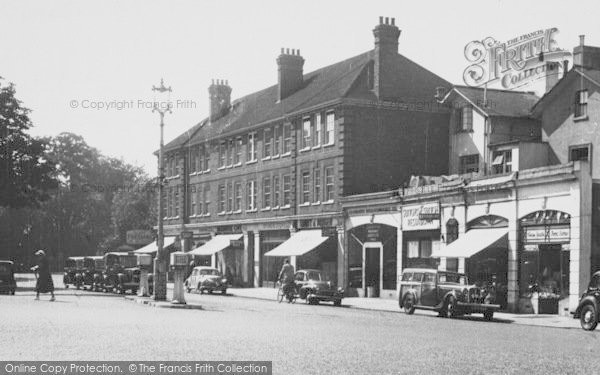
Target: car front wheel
x=588, y=318
x=409, y=304
x=450, y=308
x=488, y=314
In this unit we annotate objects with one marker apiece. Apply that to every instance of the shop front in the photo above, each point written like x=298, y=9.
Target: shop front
x=306, y=249
x=420, y=235
x=226, y=254
x=544, y=260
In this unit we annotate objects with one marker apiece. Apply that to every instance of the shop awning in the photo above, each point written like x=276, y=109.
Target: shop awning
x=471, y=243
x=152, y=247
x=298, y=244
x=216, y=244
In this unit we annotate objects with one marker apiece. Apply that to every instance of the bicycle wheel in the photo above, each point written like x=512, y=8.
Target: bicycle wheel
x=280, y=294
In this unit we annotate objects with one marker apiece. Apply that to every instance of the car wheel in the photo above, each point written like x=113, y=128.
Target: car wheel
x=66, y=286
x=450, y=308
x=13, y=292
x=337, y=302
x=188, y=289
x=488, y=315
x=210, y=291
x=408, y=304
x=588, y=318
x=224, y=292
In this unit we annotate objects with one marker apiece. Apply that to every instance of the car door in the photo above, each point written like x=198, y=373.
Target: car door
x=428, y=289
x=416, y=282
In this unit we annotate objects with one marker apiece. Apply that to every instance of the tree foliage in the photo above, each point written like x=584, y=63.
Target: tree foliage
x=26, y=175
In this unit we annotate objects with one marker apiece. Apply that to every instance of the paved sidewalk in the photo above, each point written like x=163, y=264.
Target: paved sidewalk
x=391, y=305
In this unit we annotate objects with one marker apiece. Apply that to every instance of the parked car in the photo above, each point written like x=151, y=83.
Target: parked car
x=93, y=266
x=311, y=287
x=73, y=274
x=447, y=293
x=206, y=279
x=589, y=304
x=121, y=272
x=8, y=284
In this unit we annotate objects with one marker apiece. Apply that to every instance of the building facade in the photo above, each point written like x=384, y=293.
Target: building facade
x=276, y=162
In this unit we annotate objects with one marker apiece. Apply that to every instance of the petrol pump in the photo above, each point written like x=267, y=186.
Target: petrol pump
x=144, y=261
x=179, y=264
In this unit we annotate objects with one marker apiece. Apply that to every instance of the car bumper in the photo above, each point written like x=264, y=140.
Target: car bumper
x=326, y=296
x=477, y=307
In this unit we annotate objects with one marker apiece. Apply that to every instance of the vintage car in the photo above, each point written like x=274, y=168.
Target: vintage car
x=121, y=272
x=447, y=293
x=73, y=274
x=311, y=287
x=8, y=284
x=206, y=279
x=589, y=304
x=93, y=266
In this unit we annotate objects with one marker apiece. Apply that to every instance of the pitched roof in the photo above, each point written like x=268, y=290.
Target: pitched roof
x=320, y=87
x=503, y=103
x=591, y=75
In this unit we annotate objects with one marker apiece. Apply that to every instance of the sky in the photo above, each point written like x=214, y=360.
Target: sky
x=88, y=67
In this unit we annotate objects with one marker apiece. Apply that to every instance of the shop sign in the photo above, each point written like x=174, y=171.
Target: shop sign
x=236, y=243
x=372, y=232
x=328, y=231
x=421, y=217
x=139, y=237
x=546, y=234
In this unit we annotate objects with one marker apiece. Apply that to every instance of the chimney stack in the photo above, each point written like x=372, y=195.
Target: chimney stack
x=587, y=57
x=440, y=92
x=386, y=50
x=219, y=98
x=290, y=75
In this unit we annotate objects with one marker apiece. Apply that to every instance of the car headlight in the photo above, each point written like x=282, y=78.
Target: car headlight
x=340, y=289
x=224, y=280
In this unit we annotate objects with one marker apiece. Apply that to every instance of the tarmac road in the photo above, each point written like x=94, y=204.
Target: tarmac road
x=298, y=338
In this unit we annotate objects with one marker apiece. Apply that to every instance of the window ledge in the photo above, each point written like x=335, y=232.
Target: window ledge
x=222, y=213
x=266, y=158
x=251, y=161
x=275, y=156
x=172, y=177
x=305, y=149
x=305, y=204
x=237, y=211
x=221, y=168
x=238, y=164
x=206, y=171
x=286, y=154
x=286, y=207
x=329, y=144
x=266, y=209
x=329, y=202
x=195, y=173
x=315, y=203
x=316, y=147
x=251, y=211
x=580, y=118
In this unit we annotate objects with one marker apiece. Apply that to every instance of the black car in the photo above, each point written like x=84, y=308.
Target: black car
x=73, y=272
x=121, y=272
x=587, y=310
x=7, y=277
x=92, y=272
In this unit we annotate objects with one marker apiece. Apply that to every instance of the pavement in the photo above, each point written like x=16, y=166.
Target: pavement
x=391, y=305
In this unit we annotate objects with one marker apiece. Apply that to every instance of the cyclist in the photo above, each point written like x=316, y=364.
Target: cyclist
x=286, y=276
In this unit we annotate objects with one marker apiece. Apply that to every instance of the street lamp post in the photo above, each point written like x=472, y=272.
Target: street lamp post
x=160, y=262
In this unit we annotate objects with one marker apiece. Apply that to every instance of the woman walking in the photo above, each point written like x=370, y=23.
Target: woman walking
x=44, y=282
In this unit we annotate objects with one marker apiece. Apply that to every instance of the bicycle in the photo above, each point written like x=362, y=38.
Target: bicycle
x=291, y=296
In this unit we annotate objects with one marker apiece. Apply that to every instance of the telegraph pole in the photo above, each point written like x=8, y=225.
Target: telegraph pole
x=160, y=262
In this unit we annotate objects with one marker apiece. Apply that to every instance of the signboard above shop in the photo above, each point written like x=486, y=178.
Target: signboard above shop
x=139, y=237
x=421, y=217
x=546, y=234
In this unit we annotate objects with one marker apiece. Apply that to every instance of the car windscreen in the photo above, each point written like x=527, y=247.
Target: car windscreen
x=453, y=278
x=313, y=275
x=209, y=272
x=128, y=261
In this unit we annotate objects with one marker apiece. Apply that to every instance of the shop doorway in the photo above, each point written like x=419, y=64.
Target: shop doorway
x=373, y=268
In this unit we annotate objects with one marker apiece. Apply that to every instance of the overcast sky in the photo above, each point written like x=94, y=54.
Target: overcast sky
x=64, y=54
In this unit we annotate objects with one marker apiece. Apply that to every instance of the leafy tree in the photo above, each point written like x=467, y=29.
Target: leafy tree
x=26, y=175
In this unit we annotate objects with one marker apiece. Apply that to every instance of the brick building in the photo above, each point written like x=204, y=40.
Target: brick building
x=270, y=167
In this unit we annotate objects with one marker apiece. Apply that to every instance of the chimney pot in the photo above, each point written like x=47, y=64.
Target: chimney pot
x=298, y=51
x=282, y=50
x=380, y=20
x=393, y=22
x=387, y=20
x=581, y=40
x=565, y=67
x=287, y=51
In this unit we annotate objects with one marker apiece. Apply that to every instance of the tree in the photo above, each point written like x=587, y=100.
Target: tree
x=26, y=175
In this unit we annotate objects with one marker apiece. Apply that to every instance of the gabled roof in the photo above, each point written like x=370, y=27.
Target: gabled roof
x=590, y=75
x=320, y=87
x=500, y=103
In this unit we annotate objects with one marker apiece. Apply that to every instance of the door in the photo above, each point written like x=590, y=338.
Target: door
x=373, y=268
x=428, y=290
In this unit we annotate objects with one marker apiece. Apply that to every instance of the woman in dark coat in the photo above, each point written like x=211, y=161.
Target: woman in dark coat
x=44, y=282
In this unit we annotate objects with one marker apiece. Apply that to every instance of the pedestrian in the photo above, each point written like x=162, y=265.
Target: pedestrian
x=44, y=282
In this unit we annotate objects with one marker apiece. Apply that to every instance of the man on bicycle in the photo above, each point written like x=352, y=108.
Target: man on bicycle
x=286, y=276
